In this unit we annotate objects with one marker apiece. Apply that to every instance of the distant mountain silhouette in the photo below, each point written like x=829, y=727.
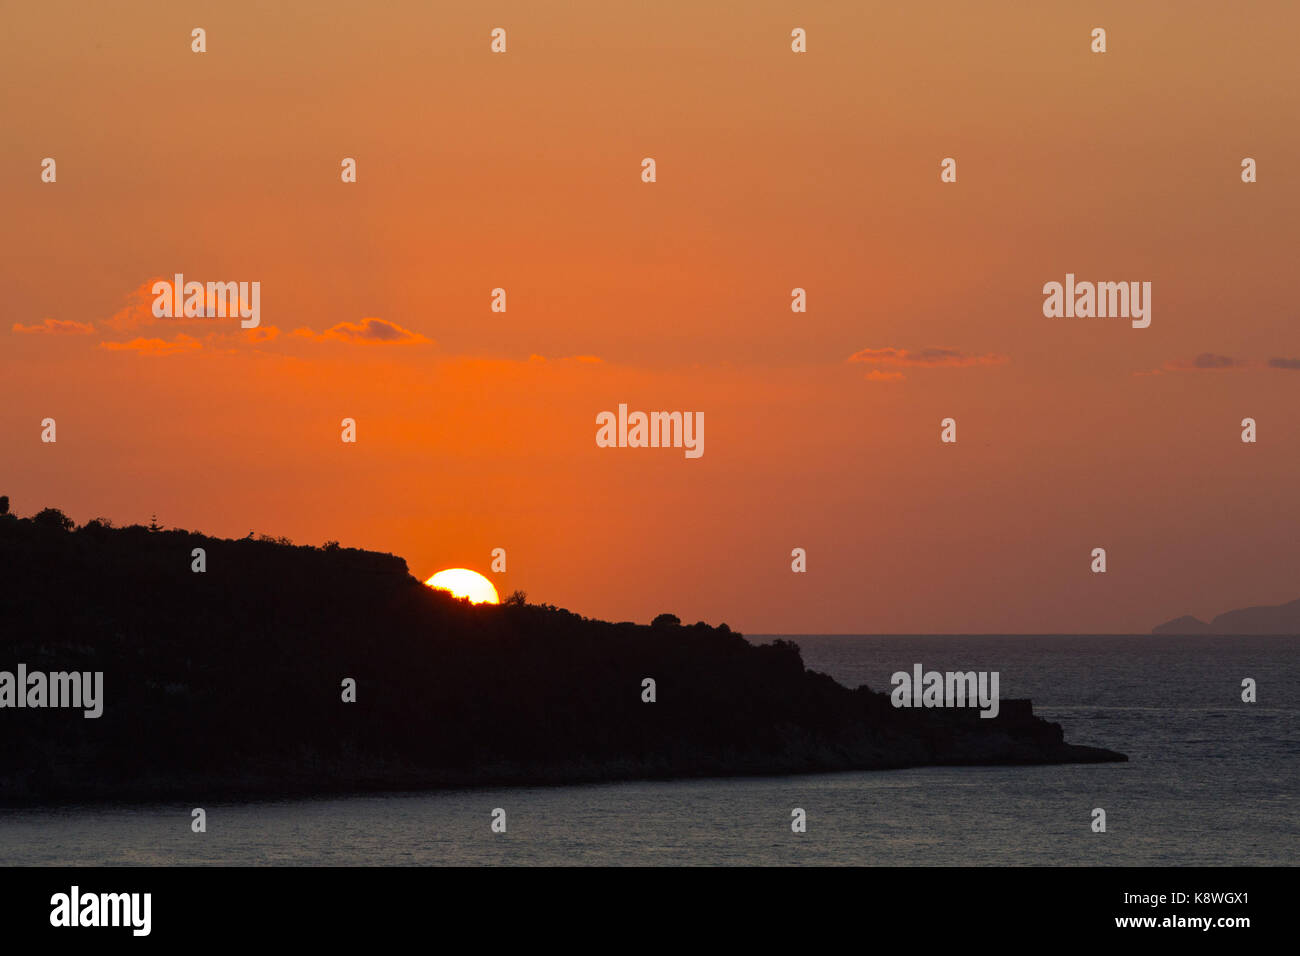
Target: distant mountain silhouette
x=228, y=682
x=1265, y=619
x=1182, y=625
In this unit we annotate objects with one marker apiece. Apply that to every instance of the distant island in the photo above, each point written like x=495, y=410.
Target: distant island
x=229, y=683
x=1265, y=619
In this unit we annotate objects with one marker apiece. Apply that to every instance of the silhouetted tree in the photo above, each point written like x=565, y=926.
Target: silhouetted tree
x=52, y=519
x=515, y=598
x=4, y=504
x=666, y=620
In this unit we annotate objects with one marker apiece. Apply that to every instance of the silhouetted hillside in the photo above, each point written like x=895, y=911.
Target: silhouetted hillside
x=228, y=682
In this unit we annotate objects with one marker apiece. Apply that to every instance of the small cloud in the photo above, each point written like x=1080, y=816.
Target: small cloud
x=926, y=358
x=182, y=343
x=1286, y=363
x=138, y=311
x=1206, y=361
x=369, y=331
x=263, y=333
x=586, y=359
x=229, y=342
x=55, y=327
x=891, y=357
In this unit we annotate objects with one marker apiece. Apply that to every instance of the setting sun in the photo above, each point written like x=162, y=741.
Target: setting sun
x=467, y=584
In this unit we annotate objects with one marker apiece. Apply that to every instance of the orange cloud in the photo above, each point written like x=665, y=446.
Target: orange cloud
x=370, y=331
x=139, y=308
x=138, y=312
x=262, y=333
x=142, y=346
x=588, y=359
x=926, y=358
x=258, y=335
x=55, y=327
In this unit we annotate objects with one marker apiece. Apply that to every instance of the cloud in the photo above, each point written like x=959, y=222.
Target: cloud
x=924, y=358
x=588, y=359
x=142, y=346
x=1206, y=361
x=55, y=327
x=258, y=335
x=228, y=343
x=1272, y=363
x=370, y=331
x=138, y=311
x=1213, y=362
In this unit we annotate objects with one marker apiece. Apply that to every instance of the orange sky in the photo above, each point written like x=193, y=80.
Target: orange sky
x=775, y=170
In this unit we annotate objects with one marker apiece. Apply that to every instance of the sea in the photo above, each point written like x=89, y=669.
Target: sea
x=1210, y=780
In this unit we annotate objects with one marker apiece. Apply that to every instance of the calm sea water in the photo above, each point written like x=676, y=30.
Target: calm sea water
x=1211, y=780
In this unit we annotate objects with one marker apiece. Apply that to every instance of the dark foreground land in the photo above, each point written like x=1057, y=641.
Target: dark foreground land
x=229, y=683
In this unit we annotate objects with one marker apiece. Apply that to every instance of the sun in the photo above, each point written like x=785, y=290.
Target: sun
x=466, y=584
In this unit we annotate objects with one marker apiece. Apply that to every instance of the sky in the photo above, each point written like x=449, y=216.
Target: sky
x=775, y=170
